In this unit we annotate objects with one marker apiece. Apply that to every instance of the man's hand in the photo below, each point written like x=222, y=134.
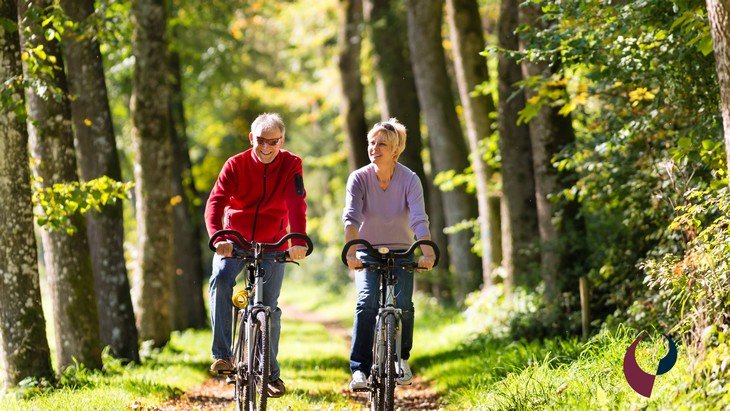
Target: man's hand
x=224, y=249
x=425, y=262
x=353, y=263
x=297, y=252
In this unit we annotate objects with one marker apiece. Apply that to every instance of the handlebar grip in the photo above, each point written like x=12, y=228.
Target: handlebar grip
x=350, y=243
x=220, y=233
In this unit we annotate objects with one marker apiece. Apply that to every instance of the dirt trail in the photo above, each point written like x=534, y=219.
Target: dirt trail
x=215, y=394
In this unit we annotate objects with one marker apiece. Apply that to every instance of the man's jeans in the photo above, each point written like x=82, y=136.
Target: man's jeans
x=222, y=281
x=366, y=311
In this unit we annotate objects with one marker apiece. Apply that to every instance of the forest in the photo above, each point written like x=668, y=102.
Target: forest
x=574, y=157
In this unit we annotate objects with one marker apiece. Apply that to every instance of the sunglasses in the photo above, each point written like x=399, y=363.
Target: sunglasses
x=385, y=125
x=266, y=142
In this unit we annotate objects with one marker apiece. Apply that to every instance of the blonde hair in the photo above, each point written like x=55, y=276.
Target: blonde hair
x=397, y=138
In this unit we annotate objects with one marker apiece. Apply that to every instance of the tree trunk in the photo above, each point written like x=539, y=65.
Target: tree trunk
x=718, y=12
x=67, y=257
x=448, y=148
x=467, y=38
x=97, y=153
x=550, y=133
x=519, y=213
x=398, y=98
x=153, y=174
x=353, y=106
x=24, y=352
x=188, y=308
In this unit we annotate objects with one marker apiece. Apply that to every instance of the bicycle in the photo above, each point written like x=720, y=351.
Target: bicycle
x=387, y=342
x=251, y=345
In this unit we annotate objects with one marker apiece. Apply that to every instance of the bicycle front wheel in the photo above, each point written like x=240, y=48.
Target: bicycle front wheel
x=389, y=394
x=259, y=360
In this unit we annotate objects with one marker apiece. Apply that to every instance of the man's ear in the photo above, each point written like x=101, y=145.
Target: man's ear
x=250, y=138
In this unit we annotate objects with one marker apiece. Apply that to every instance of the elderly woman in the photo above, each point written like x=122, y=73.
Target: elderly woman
x=384, y=206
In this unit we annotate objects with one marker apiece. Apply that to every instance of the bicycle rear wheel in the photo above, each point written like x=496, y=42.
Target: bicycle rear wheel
x=377, y=371
x=389, y=380
x=239, y=358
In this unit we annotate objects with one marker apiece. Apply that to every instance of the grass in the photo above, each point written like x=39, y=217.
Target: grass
x=470, y=370
x=164, y=374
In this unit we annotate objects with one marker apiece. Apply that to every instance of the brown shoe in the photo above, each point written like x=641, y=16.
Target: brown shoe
x=276, y=388
x=221, y=366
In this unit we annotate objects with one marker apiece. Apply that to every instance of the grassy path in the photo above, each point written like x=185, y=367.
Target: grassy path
x=313, y=356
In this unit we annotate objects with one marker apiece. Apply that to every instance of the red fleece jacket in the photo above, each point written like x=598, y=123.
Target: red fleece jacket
x=259, y=200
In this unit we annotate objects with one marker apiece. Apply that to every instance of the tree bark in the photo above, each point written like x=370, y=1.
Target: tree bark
x=467, y=38
x=519, y=212
x=549, y=134
x=153, y=174
x=97, y=154
x=397, y=96
x=353, y=105
x=24, y=352
x=448, y=148
x=188, y=308
x=67, y=257
x=718, y=12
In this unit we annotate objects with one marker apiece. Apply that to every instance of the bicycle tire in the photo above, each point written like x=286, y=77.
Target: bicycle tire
x=264, y=327
x=377, y=370
x=252, y=365
x=389, y=394
x=239, y=356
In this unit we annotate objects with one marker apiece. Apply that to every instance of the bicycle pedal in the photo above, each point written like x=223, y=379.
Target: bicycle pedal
x=366, y=389
x=230, y=379
x=225, y=372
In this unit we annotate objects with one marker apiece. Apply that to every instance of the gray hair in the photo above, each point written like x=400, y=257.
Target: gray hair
x=268, y=121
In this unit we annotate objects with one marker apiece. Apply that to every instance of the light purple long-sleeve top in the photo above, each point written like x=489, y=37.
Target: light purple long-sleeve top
x=387, y=218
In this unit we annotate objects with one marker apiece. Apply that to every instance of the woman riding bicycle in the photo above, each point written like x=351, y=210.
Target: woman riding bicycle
x=384, y=205
x=259, y=193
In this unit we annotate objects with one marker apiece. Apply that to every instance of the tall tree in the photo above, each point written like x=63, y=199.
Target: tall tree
x=153, y=173
x=24, y=352
x=396, y=89
x=188, y=308
x=550, y=132
x=718, y=12
x=67, y=257
x=519, y=212
x=97, y=154
x=448, y=148
x=353, y=105
x=467, y=38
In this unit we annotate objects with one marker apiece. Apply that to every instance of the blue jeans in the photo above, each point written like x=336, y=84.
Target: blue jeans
x=366, y=311
x=220, y=290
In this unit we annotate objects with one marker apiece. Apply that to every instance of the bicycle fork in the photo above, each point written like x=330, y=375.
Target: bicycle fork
x=379, y=357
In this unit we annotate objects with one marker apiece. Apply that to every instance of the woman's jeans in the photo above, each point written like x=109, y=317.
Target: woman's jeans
x=366, y=311
x=222, y=281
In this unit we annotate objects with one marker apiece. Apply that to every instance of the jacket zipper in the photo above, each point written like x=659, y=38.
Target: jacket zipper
x=256, y=215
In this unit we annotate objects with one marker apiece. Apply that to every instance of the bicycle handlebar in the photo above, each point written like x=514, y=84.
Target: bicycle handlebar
x=372, y=251
x=264, y=246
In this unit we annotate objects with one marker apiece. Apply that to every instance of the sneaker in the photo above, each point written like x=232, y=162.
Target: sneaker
x=276, y=388
x=407, y=377
x=222, y=366
x=359, y=381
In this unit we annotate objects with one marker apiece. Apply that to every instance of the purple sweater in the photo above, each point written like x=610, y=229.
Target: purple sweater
x=388, y=218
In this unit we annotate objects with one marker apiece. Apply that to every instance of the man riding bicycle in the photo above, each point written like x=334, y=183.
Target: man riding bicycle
x=259, y=193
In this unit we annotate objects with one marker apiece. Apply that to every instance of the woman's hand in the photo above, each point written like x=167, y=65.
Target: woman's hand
x=425, y=262
x=353, y=263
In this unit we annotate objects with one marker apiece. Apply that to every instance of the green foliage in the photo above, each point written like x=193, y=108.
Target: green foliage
x=59, y=203
x=642, y=93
